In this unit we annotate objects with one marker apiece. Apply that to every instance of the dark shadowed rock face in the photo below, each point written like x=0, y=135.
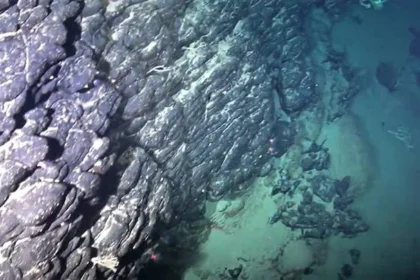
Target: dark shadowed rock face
x=387, y=75
x=414, y=48
x=120, y=118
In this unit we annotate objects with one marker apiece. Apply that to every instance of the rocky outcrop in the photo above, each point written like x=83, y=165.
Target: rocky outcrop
x=120, y=118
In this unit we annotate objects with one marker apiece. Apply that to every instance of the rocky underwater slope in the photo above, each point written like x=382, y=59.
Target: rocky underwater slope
x=120, y=119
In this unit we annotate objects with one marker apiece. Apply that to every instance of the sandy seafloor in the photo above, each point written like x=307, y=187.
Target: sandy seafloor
x=359, y=141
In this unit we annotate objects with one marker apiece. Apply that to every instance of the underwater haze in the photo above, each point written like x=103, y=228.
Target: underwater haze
x=210, y=140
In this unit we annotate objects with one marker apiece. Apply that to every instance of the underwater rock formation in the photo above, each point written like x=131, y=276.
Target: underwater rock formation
x=120, y=118
x=313, y=216
x=414, y=48
x=355, y=256
x=317, y=157
x=298, y=82
x=387, y=75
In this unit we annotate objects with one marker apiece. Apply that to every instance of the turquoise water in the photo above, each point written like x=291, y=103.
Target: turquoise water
x=392, y=206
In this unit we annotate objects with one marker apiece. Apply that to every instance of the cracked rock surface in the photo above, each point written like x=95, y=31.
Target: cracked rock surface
x=118, y=116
